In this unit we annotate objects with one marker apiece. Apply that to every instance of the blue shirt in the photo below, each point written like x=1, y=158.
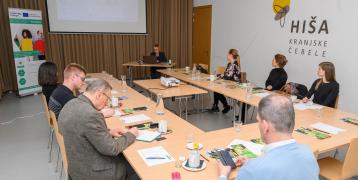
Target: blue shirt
x=291, y=161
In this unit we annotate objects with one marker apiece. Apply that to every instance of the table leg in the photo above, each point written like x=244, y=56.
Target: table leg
x=130, y=76
x=186, y=108
x=245, y=113
x=179, y=107
x=234, y=108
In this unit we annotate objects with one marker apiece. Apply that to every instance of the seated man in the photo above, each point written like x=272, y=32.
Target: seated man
x=93, y=151
x=74, y=78
x=282, y=157
x=161, y=58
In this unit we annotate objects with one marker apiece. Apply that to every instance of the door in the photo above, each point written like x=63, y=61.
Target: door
x=202, y=35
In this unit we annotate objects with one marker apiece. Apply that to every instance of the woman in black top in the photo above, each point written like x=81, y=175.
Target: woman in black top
x=325, y=89
x=47, y=78
x=232, y=73
x=278, y=76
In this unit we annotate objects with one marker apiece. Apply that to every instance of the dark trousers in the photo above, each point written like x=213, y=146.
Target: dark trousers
x=219, y=97
x=154, y=74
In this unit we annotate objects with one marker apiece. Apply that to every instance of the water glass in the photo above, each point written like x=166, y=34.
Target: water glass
x=237, y=125
x=248, y=91
x=198, y=75
x=189, y=138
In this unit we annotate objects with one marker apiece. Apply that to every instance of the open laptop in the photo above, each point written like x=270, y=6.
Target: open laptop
x=150, y=60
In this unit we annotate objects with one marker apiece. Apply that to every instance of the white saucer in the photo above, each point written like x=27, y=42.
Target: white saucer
x=194, y=169
x=190, y=146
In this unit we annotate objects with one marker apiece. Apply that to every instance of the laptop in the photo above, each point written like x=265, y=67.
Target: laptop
x=150, y=60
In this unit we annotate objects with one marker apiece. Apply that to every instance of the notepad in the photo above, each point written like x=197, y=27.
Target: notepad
x=155, y=156
x=327, y=128
x=263, y=94
x=117, y=113
x=147, y=136
x=255, y=148
x=135, y=118
x=304, y=106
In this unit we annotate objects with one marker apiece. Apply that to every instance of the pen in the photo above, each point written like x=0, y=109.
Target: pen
x=155, y=158
x=204, y=158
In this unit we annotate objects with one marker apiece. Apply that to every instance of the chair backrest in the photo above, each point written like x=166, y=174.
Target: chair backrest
x=205, y=67
x=336, y=104
x=44, y=102
x=243, y=77
x=60, y=141
x=220, y=70
x=350, y=165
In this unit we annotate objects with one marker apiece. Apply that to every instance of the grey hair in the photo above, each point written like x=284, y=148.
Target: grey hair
x=98, y=85
x=279, y=111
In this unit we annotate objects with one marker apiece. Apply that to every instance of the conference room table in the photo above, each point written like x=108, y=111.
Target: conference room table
x=132, y=64
x=175, y=142
x=181, y=92
x=304, y=118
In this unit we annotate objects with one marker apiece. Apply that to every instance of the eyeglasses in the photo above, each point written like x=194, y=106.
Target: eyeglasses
x=108, y=98
x=82, y=78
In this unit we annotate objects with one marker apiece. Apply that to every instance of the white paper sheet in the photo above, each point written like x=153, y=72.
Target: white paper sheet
x=253, y=147
x=135, y=118
x=114, y=92
x=117, y=113
x=262, y=95
x=327, y=128
x=157, y=151
x=148, y=136
x=304, y=106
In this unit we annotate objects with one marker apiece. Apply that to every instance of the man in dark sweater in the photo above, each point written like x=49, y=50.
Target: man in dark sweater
x=161, y=58
x=74, y=78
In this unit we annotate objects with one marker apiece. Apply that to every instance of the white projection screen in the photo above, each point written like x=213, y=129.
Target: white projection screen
x=97, y=16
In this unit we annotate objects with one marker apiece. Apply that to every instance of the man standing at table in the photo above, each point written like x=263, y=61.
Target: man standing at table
x=282, y=157
x=161, y=58
x=94, y=151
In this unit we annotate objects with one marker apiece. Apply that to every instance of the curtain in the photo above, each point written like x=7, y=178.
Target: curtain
x=169, y=23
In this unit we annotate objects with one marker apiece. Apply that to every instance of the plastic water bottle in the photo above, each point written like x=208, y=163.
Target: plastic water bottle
x=159, y=109
x=193, y=73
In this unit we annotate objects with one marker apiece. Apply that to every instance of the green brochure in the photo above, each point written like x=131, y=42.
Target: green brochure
x=313, y=132
x=350, y=120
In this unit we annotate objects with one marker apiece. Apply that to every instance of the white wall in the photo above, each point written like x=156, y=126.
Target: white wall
x=250, y=27
x=201, y=2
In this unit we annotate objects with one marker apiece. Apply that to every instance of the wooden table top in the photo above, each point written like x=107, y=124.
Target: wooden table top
x=176, y=141
x=154, y=86
x=136, y=64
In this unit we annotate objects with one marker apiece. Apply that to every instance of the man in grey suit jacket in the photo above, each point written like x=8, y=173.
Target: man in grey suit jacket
x=93, y=151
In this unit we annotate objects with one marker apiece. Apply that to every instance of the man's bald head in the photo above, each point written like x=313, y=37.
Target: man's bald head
x=279, y=111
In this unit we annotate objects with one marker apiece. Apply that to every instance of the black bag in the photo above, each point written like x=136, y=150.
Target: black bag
x=296, y=89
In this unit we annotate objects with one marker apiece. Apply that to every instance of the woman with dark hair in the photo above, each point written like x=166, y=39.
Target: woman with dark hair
x=325, y=89
x=232, y=73
x=278, y=76
x=47, y=78
x=26, y=42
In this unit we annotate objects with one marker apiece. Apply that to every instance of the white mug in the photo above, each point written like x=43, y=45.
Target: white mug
x=114, y=101
x=212, y=77
x=187, y=69
x=163, y=126
x=293, y=98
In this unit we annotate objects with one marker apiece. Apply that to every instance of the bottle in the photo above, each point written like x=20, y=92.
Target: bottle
x=193, y=73
x=159, y=109
x=124, y=84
